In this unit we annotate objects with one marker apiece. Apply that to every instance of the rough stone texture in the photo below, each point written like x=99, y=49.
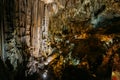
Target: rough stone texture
x=25, y=18
x=70, y=30
x=86, y=25
x=84, y=13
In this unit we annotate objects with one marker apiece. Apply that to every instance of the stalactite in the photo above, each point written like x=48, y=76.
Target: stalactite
x=52, y=30
x=45, y=30
x=2, y=24
x=2, y=40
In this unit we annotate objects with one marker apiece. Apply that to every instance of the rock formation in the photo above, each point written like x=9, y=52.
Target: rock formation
x=56, y=36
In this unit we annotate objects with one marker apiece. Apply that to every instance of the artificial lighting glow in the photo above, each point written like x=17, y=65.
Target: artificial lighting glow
x=55, y=8
x=48, y=1
x=45, y=74
x=49, y=59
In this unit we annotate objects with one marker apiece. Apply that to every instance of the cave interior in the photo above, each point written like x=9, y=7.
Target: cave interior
x=59, y=39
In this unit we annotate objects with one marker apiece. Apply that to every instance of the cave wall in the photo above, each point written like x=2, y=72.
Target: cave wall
x=21, y=21
x=26, y=18
x=27, y=26
x=82, y=15
x=20, y=25
x=87, y=20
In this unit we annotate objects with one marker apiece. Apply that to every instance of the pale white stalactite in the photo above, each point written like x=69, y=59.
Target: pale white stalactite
x=44, y=41
x=36, y=30
x=45, y=37
x=55, y=8
x=46, y=49
x=37, y=42
x=46, y=21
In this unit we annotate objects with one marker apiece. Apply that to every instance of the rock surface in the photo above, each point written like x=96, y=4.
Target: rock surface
x=67, y=35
